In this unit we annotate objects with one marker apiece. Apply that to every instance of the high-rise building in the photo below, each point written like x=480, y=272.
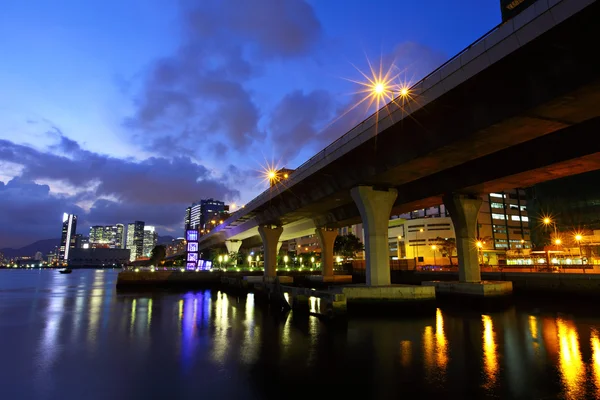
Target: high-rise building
x=67, y=240
x=150, y=239
x=135, y=239
x=110, y=236
x=205, y=214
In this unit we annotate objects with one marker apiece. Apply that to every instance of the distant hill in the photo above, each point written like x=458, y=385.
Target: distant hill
x=164, y=239
x=45, y=246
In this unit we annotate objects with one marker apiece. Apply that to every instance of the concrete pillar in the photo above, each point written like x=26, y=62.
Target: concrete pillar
x=233, y=246
x=270, y=238
x=463, y=212
x=375, y=207
x=326, y=241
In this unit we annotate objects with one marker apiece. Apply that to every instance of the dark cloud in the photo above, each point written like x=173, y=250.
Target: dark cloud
x=30, y=212
x=156, y=190
x=296, y=120
x=200, y=92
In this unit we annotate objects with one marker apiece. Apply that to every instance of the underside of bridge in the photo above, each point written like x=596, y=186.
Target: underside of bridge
x=528, y=117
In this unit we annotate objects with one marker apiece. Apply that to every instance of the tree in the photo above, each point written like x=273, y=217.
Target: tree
x=158, y=254
x=347, y=245
x=447, y=247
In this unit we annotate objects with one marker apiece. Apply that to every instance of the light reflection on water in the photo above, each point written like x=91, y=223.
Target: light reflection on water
x=490, y=358
x=84, y=340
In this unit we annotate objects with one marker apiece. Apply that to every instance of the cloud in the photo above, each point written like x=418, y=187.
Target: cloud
x=156, y=190
x=30, y=212
x=198, y=97
x=296, y=120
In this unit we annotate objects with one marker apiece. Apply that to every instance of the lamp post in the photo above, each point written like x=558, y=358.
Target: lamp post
x=285, y=261
x=479, y=245
x=250, y=262
x=312, y=261
x=417, y=244
x=398, y=246
x=433, y=248
x=220, y=262
x=578, y=239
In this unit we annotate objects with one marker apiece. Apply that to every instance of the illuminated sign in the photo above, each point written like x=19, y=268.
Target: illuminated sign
x=191, y=235
x=192, y=247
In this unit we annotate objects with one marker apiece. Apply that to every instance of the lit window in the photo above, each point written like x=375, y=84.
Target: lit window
x=497, y=205
x=514, y=217
x=497, y=195
x=525, y=219
x=498, y=216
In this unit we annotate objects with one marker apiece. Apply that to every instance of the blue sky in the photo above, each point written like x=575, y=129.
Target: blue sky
x=98, y=98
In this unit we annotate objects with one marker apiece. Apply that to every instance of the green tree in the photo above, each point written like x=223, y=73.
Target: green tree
x=157, y=254
x=347, y=245
x=447, y=247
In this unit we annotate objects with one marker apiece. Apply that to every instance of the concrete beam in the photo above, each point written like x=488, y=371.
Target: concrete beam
x=463, y=212
x=375, y=207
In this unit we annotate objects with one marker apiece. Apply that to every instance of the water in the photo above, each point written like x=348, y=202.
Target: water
x=73, y=337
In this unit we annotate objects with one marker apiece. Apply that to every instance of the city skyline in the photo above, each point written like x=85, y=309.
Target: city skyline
x=119, y=136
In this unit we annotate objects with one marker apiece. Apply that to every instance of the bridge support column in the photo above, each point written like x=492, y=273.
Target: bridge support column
x=270, y=238
x=233, y=246
x=463, y=212
x=326, y=240
x=375, y=207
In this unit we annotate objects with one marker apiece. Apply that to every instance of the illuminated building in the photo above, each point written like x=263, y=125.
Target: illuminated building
x=67, y=240
x=110, y=236
x=135, y=239
x=150, y=239
x=205, y=214
x=99, y=257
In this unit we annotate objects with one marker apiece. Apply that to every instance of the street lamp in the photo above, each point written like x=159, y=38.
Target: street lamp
x=221, y=262
x=312, y=260
x=433, y=247
x=250, y=261
x=578, y=239
x=285, y=260
x=417, y=244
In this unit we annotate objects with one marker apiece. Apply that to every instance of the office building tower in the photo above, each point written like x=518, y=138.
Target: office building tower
x=135, y=239
x=108, y=236
x=67, y=240
x=205, y=215
x=150, y=239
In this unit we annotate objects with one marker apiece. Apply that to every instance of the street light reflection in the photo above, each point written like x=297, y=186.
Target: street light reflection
x=571, y=365
x=490, y=357
x=595, y=343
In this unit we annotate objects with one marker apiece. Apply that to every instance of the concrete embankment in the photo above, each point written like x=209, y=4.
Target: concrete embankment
x=167, y=279
x=523, y=282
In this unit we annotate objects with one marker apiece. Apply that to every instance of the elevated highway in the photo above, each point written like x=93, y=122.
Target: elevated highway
x=518, y=106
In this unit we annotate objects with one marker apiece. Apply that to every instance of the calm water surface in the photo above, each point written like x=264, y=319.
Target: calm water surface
x=74, y=337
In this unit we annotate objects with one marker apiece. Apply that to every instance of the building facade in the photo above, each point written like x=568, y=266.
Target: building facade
x=68, y=236
x=135, y=239
x=572, y=204
x=110, y=236
x=99, y=257
x=205, y=215
x=150, y=240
